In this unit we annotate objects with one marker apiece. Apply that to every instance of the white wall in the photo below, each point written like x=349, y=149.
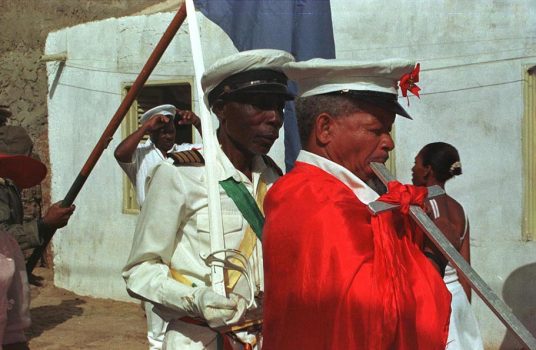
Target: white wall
x=102, y=56
x=472, y=56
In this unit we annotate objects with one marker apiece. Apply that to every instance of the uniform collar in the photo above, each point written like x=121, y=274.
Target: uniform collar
x=150, y=143
x=362, y=191
x=228, y=170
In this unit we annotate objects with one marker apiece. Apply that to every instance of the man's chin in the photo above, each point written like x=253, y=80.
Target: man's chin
x=261, y=149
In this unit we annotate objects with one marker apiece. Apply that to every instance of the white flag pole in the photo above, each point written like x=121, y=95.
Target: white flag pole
x=210, y=143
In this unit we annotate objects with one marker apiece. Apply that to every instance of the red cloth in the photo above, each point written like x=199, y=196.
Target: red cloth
x=334, y=280
x=23, y=170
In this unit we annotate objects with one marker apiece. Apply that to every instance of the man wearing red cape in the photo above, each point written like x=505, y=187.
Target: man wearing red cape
x=335, y=276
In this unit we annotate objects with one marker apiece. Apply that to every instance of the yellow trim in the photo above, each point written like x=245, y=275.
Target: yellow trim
x=128, y=126
x=179, y=277
x=262, y=188
x=246, y=248
x=529, y=163
x=248, y=244
x=250, y=239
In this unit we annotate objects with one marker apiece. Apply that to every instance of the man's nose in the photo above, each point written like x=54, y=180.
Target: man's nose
x=388, y=143
x=274, y=116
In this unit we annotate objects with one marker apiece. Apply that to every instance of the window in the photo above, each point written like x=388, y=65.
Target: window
x=151, y=95
x=529, y=154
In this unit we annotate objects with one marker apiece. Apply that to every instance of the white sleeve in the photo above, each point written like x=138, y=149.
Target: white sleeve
x=131, y=168
x=147, y=273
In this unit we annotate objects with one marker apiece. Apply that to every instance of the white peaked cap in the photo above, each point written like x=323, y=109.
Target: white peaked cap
x=227, y=68
x=167, y=110
x=372, y=79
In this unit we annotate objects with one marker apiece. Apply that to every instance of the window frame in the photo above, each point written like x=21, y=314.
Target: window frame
x=131, y=123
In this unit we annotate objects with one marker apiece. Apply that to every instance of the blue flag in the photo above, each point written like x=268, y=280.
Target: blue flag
x=301, y=27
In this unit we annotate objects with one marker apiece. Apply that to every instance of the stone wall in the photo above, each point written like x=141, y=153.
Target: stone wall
x=23, y=81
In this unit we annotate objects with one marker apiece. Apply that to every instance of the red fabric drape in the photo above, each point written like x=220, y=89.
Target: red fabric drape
x=336, y=278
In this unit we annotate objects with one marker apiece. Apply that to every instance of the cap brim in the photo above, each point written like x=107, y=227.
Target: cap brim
x=386, y=101
x=398, y=109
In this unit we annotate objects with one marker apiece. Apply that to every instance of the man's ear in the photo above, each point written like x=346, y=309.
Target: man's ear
x=218, y=108
x=428, y=171
x=323, y=128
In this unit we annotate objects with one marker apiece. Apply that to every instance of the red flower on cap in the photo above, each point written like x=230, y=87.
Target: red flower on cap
x=408, y=82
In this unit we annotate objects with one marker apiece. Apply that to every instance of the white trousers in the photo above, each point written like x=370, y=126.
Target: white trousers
x=463, y=330
x=156, y=327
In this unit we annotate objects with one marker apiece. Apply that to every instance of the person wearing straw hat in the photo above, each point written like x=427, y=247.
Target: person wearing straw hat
x=336, y=277
x=18, y=172
x=170, y=260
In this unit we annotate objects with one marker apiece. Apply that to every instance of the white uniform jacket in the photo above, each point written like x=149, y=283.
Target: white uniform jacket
x=173, y=231
x=145, y=157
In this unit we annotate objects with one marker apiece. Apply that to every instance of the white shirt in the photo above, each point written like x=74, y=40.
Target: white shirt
x=173, y=231
x=145, y=157
x=361, y=190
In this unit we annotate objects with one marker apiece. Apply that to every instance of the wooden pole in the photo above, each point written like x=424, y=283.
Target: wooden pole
x=114, y=123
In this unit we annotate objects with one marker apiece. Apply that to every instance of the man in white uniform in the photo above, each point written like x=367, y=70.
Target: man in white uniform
x=137, y=160
x=247, y=92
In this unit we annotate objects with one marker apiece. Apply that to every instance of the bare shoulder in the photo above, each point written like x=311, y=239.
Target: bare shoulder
x=456, y=207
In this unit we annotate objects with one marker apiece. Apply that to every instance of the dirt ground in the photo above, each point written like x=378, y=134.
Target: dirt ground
x=64, y=320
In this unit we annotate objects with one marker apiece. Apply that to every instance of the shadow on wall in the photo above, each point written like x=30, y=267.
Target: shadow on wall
x=519, y=292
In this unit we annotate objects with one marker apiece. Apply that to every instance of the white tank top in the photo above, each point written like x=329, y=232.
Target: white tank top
x=450, y=272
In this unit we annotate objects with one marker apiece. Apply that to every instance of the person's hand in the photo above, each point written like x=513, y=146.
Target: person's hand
x=155, y=123
x=218, y=310
x=189, y=118
x=56, y=216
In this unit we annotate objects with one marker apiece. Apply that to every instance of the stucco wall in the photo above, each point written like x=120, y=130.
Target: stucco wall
x=472, y=57
x=102, y=56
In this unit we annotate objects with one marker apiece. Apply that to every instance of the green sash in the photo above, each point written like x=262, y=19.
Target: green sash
x=245, y=203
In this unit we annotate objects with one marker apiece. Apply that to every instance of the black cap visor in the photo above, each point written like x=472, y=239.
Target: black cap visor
x=383, y=100
x=263, y=88
x=251, y=82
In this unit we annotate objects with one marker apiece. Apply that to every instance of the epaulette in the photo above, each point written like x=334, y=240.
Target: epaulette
x=189, y=158
x=270, y=162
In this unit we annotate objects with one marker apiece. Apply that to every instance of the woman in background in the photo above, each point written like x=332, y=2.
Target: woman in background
x=435, y=164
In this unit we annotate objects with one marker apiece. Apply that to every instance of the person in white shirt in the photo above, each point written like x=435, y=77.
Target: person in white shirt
x=169, y=263
x=137, y=160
